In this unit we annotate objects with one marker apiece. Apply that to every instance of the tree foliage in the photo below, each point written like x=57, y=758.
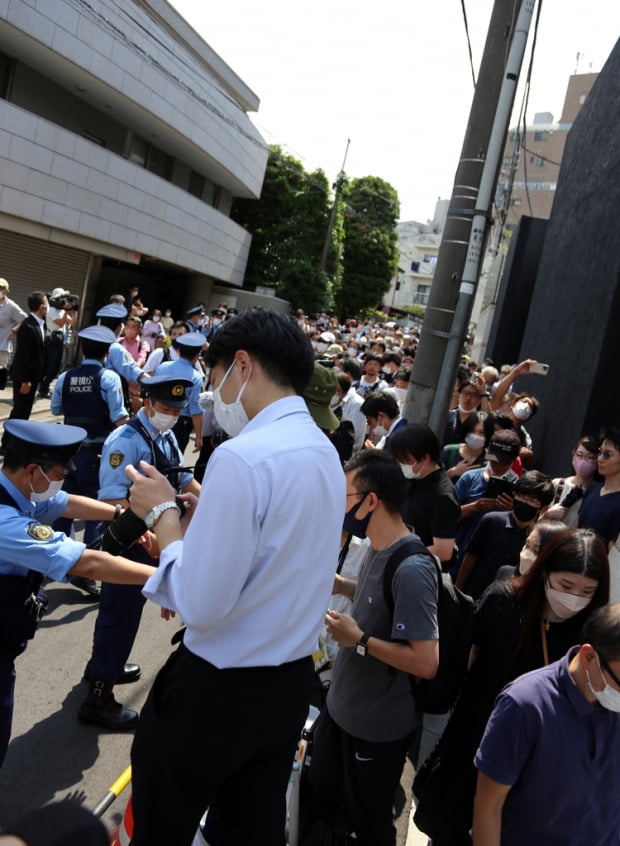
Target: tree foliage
x=288, y=226
x=370, y=256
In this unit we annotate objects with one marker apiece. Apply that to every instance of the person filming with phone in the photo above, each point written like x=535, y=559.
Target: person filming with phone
x=522, y=406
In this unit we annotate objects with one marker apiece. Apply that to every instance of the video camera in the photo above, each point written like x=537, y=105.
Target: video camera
x=70, y=302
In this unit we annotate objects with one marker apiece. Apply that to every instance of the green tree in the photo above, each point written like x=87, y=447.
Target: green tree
x=288, y=226
x=370, y=253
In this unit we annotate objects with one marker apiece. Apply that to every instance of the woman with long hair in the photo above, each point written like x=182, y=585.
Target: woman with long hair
x=520, y=624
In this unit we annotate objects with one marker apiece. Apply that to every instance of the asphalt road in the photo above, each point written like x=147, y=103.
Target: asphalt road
x=52, y=755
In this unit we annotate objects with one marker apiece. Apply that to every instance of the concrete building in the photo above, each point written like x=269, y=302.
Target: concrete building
x=124, y=139
x=418, y=247
x=529, y=173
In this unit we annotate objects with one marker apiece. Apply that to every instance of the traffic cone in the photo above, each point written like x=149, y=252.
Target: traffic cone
x=122, y=834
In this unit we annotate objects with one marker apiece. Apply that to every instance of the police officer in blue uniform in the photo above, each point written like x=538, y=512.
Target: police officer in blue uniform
x=186, y=366
x=148, y=437
x=91, y=396
x=195, y=319
x=118, y=359
x=37, y=457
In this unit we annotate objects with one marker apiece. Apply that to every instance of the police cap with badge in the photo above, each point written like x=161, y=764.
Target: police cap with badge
x=167, y=390
x=195, y=310
x=43, y=443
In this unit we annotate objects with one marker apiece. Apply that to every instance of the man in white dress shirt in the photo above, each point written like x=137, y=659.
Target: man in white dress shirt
x=251, y=579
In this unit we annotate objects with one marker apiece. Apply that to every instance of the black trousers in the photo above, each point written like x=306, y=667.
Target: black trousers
x=351, y=783
x=217, y=738
x=22, y=403
x=182, y=430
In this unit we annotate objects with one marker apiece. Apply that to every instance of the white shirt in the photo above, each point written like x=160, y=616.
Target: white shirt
x=10, y=315
x=351, y=405
x=252, y=577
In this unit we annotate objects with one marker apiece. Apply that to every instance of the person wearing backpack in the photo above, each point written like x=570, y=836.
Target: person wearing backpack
x=367, y=726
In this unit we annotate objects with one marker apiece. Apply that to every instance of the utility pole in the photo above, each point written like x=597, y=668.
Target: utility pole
x=332, y=216
x=437, y=326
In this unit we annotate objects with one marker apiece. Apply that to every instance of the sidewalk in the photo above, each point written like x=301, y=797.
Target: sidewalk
x=40, y=409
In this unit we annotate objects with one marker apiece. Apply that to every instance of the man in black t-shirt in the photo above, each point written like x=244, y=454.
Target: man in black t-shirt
x=431, y=506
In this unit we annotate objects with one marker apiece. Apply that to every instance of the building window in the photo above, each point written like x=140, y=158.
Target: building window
x=138, y=150
x=159, y=162
x=421, y=294
x=541, y=162
x=541, y=136
x=204, y=189
x=515, y=201
x=432, y=260
x=6, y=66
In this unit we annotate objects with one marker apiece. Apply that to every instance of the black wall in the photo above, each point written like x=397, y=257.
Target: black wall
x=574, y=316
x=515, y=294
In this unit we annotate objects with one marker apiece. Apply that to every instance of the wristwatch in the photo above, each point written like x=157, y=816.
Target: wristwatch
x=361, y=646
x=152, y=516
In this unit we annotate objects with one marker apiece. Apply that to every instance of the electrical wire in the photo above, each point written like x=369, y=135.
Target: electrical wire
x=526, y=100
x=471, y=58
x=540, y=156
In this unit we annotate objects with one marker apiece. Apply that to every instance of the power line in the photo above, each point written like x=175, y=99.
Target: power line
x=471, y=58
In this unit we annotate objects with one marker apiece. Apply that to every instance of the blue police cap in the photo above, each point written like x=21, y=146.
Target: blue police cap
x=191, y=341
x=100, y=334
x=170, y=390
x=113, y=310
x=195, y=310
x=44, y=442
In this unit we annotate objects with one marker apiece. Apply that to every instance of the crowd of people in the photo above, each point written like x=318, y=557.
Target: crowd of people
x=260, y=396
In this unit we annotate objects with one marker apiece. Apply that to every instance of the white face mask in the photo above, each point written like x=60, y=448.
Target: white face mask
x=522, y=410
x=401, y=394
x=526, y=559
x=156, y=318
x=351, y=351
x=608, y=697
x=162, y=422
x=408, y=471
x=474, y=441
x=321, y=346
x=230, y=416
x=379, y=431
x=52, y=489
x=565, y=605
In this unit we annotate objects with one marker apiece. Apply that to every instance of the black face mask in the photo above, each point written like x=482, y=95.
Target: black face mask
x=523, y=512
x=351, y=522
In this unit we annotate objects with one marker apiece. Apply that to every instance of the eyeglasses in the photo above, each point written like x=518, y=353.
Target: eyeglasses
x=608, y=669
x=587, y=456
x=59, y=474
x=606, y=454
x=472, y=394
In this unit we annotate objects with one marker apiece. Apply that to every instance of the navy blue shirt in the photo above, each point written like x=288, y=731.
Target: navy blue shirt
x=497, y=541
x=561, y=756
x=601, y=513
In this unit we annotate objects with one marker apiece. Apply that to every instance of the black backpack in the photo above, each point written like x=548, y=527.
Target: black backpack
x=455, y=615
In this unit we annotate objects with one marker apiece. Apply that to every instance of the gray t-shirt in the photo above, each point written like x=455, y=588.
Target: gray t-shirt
x=367, y=698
